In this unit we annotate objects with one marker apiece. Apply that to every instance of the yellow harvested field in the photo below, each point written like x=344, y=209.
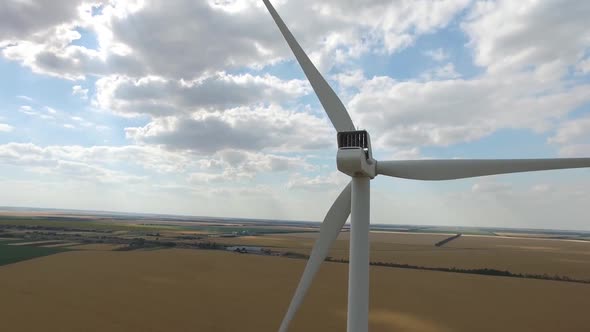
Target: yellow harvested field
x=198, y=290
x=98, y=247
x=518, y=255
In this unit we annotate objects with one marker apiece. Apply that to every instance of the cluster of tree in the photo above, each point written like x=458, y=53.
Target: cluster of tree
x=244, y=250
x=140, y=242
x=189, y=237
x=298, y=255
x=42, y=233
x=137, y=242
x=209, y=245
x=58, y=228
x=443, y=242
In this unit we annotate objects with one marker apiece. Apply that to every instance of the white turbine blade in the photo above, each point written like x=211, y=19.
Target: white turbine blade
x=329, y=230
x=330, y=101
x=460, y=168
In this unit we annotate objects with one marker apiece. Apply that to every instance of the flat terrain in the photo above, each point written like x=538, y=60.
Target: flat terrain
x=201, y=290
x=520, y=255
x=77, y=272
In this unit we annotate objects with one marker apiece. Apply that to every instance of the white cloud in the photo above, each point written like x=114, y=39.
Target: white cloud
x=248, y=162
x=406, y=154
x=491, y=187
x=69, y=126
x=138, y=39
x=257, y=129
x=226, y=165
x=572, y=137
x=175, y=80
x=441, y=73
x=522, y=48
x=46, y=117
x=104, y=160
x=350, y=79
x=512, y=205
x=575, y=150
x=25, y=98
x=86, y=172
x=20, y=19
x=6, y=128
x=438, y=54
x=158, y=96
x=332, y=181
x=572, y=131
x=518, y=35
x=584, y=66
x=210, y=178
x=452, y=111
x=254, y=192
x=541, y=188
x=77, y=90
x=235, y=165
x=28, y=110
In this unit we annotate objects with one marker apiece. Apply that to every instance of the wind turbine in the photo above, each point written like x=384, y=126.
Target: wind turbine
x=355, y=159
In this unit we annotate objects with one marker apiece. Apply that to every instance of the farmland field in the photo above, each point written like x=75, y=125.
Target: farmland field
x=14, y=253
x=114, y=274
x=182, y=290
x=519, y=255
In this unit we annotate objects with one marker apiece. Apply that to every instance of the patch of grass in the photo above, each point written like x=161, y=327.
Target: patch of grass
x=15, y=240
x=12, y=254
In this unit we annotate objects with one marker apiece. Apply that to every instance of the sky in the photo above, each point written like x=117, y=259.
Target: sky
x=199, y=108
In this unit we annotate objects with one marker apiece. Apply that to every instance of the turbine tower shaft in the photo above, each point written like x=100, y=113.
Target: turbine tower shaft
x=358, y=267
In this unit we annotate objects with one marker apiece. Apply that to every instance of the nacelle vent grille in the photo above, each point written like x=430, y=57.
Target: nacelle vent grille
x=353, y=139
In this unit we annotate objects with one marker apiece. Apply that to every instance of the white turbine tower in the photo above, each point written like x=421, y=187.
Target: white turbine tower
x=354, y=158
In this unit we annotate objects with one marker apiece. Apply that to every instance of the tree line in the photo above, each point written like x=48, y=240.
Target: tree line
x=480, y=271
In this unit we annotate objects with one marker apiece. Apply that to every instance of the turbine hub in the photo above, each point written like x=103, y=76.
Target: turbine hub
x=354, y=154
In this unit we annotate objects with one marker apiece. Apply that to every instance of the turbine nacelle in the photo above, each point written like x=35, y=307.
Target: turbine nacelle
x=355, y=157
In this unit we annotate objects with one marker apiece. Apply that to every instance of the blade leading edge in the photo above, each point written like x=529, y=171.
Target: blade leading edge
x=330, y=101
x=450, y=169
x=329, y=230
